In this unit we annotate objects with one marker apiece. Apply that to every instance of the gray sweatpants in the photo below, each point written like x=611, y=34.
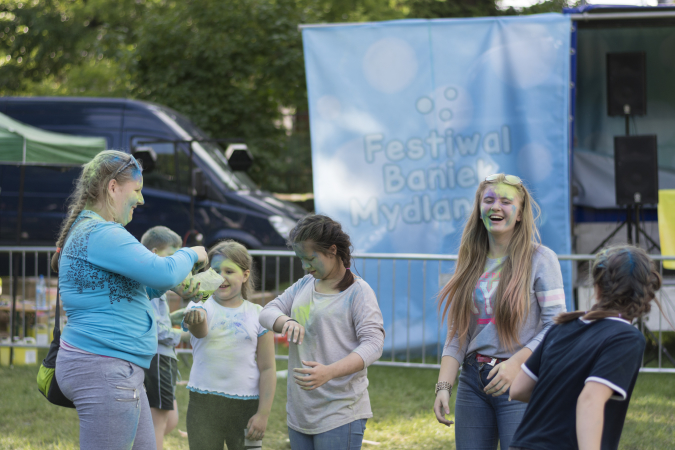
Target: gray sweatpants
x=110, y=400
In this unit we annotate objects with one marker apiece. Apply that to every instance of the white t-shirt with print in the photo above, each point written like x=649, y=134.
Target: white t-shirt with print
x=224, y=361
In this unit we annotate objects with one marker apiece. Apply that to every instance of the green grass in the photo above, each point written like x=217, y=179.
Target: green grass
x=401, y=401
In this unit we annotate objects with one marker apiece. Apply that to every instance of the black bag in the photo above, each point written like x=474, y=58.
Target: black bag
x=46, y=380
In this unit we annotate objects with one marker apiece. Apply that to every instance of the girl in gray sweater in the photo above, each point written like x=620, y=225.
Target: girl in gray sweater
x=335, y=330
x=500, y=302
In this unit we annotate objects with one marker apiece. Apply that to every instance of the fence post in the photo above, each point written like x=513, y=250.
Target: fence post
x=424, y=311
x=393, y=309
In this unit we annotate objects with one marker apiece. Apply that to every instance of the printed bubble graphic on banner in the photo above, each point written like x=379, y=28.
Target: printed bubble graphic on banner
x=523, y=56
x=534, y=162
x=425, y=105
x=448, y=109
x=389, y=65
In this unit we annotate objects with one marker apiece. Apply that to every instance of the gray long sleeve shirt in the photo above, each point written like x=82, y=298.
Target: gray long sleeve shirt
x=547, y=299
x=167, y=336
x=335, y=326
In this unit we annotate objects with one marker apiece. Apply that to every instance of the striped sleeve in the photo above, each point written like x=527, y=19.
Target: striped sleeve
x=548, y=289
x=554, y=297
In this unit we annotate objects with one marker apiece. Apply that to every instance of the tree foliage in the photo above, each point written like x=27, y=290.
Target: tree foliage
x=231, y=67
x=67, y=47
x=550, y=6
x=433, y=9
x=235, y=67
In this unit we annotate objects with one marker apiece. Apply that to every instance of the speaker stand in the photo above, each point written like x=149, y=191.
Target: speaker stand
x=632, y=209
x=629, y=224
x=664, y=350
x=651, y=241
x=626, y=110
x=611, y=235
x=629, y=208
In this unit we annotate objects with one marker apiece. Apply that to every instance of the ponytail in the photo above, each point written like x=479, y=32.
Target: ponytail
x=76, y=208
x=625, y=281
x=586, y=315
x=348, y=279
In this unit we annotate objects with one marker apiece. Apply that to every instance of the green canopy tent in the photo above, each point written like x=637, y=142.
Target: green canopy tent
x=22, y=145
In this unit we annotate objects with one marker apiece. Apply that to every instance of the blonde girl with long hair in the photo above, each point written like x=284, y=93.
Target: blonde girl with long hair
x=502, y=298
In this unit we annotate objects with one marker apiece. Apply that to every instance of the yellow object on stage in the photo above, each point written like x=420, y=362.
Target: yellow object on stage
x=666, y=211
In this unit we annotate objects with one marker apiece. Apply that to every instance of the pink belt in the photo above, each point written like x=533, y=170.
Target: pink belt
x=489, y=359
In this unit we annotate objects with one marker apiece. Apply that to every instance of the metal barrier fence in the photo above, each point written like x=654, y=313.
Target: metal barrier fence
x=406, y=286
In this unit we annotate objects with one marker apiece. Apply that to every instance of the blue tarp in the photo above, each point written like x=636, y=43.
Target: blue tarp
x=407, y=117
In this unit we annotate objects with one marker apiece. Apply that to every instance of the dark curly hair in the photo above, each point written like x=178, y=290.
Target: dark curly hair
x=323, y=232
x=625, y=281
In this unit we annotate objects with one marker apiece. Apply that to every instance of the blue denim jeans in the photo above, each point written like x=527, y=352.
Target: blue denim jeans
x=483, y=420
x=110, y=400
x=346, y=437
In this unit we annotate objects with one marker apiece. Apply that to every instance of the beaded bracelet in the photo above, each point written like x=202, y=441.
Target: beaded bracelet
x=443, y=386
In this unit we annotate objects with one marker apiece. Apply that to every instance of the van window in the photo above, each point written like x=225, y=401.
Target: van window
x=211, y=153
x=172, y=169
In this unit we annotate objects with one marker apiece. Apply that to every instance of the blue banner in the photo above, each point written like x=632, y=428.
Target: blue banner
x=407, y=117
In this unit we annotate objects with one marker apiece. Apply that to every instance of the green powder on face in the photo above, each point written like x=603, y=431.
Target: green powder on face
x=210, y=281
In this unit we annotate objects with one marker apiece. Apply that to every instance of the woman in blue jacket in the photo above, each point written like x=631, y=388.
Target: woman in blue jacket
x=111, y=333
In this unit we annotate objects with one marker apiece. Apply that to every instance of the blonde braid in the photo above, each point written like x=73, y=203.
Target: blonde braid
x=77, y=204
x=74, y=211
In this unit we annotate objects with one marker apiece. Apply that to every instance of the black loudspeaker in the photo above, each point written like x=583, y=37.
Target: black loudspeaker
x=626, y=84
x=636, y=171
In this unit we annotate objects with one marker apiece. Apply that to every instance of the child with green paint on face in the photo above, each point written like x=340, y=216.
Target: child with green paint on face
x=335, y=330
x=501, y=300
x=160, y=378
x=233, y=376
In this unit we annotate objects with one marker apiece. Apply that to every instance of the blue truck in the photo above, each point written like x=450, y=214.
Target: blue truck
x=192, y=189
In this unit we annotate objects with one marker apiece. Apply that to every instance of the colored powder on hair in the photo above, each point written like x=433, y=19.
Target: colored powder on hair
x=630, y=261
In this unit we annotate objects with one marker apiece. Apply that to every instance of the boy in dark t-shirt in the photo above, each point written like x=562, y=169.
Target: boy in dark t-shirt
x=578, y=382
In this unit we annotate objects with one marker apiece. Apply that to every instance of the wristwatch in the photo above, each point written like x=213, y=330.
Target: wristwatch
x=443, y=385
